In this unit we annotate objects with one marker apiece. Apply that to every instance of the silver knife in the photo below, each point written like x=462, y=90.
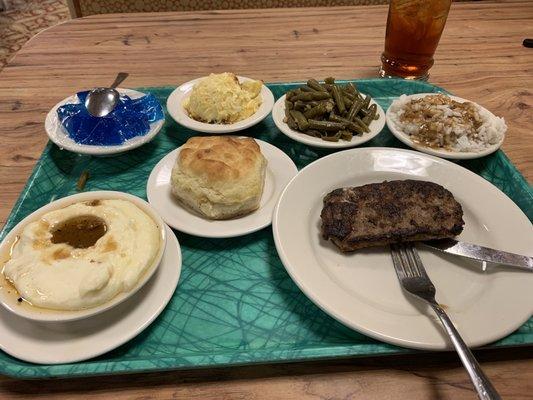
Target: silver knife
x=481, y=253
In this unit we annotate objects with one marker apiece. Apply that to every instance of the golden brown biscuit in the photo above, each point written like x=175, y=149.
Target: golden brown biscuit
x=220, y=177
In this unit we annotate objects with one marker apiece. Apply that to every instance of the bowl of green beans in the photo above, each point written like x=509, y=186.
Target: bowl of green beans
x=328, y=114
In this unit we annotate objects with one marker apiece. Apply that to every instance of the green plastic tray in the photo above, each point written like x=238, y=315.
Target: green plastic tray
x=235, y=304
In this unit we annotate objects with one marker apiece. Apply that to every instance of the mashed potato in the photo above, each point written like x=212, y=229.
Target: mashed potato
x=221, y=99
x=72, y=267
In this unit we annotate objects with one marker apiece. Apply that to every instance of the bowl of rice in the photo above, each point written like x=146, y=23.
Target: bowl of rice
x=445, y=126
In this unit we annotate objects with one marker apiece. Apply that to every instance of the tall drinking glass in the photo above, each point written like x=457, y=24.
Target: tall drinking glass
x=413, y=32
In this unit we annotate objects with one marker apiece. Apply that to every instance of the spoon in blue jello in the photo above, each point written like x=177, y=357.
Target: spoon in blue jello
x=101, y=101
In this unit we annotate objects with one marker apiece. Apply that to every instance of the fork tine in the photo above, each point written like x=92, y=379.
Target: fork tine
x=408, y=247
x=407, y=262
x=398, y=262
x=417, y=262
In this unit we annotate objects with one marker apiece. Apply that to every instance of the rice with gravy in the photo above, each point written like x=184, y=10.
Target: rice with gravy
x=439, y=122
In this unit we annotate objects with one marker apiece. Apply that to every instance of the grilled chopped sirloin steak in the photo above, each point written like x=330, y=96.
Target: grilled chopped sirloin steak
x=389, y=212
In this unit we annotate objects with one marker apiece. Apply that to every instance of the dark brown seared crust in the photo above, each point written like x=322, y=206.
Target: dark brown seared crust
x=389, y=212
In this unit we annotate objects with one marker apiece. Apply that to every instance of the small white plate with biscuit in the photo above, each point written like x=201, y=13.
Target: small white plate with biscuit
x=179, y=214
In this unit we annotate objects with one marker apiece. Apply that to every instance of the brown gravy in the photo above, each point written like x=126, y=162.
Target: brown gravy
x=5, y=284
x=79, y=232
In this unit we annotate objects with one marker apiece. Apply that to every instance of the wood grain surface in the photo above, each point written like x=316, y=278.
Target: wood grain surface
x=480, y=57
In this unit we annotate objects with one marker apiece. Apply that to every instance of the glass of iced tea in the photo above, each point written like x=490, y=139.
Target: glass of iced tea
x=413, y=32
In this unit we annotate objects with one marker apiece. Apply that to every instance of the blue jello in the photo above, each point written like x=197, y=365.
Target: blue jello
x=130, y=118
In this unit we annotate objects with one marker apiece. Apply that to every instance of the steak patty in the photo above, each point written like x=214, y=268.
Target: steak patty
x=389, y=212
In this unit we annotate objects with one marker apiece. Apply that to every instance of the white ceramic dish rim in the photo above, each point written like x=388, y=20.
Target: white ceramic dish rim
x=179, y=114
x=62, y=316
x=278, y=114
x=452, y=155
x=156, y=299
x=57, y=134
x=245, y=229
x=361, y=328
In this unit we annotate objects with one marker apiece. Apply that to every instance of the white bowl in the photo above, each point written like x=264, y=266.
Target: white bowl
x=74, y=341
x=9, y=301
x=376, y=126
x=179, y=114
x=59, y=136
x=452, y=155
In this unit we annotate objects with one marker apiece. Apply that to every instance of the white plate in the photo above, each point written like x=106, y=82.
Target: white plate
x=68, y=342
x=279, y=171
x=59, y=136
x=278, y=114
x=361, y=290
x=179, y=114
x=456, y=155
x=38, y=314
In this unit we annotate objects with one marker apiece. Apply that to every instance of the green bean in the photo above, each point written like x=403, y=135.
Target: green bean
x=288, y=106
x=334, y=138
x=313, y=132
x=352, y=96
x=290, y=94
x=358, y=96
x=299, y=105
x=339, y=100
x=349, y=124
x=346, y=135
x=349, y=95
x=329, y=80
x=302, y=122
x=354, y=109
x=371, y=114
x=316, y=111
x=366, y=102
x=292, y=123
x=308, y=96
x=327, y=126
x=347, y=103
x=327, y=86
x=314, y=103
x=350, y=87
x=313, y=84
x=329, y=105
x=361, y=123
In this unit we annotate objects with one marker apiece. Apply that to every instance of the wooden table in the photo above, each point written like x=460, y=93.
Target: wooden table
x=480, y=57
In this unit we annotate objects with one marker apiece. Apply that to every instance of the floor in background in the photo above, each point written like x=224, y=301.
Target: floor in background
x=25, y=18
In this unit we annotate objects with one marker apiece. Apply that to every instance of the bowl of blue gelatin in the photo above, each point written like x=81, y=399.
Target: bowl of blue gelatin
x=136, y=119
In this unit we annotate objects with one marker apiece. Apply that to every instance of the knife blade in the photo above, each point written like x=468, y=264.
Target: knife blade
x=480, y=253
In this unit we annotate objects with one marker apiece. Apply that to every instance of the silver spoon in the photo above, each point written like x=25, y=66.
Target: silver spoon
x=101, y=101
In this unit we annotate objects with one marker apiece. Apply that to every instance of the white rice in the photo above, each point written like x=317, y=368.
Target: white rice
x=467, y=138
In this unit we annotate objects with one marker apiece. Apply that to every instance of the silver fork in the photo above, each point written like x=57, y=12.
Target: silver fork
x=414, y=280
